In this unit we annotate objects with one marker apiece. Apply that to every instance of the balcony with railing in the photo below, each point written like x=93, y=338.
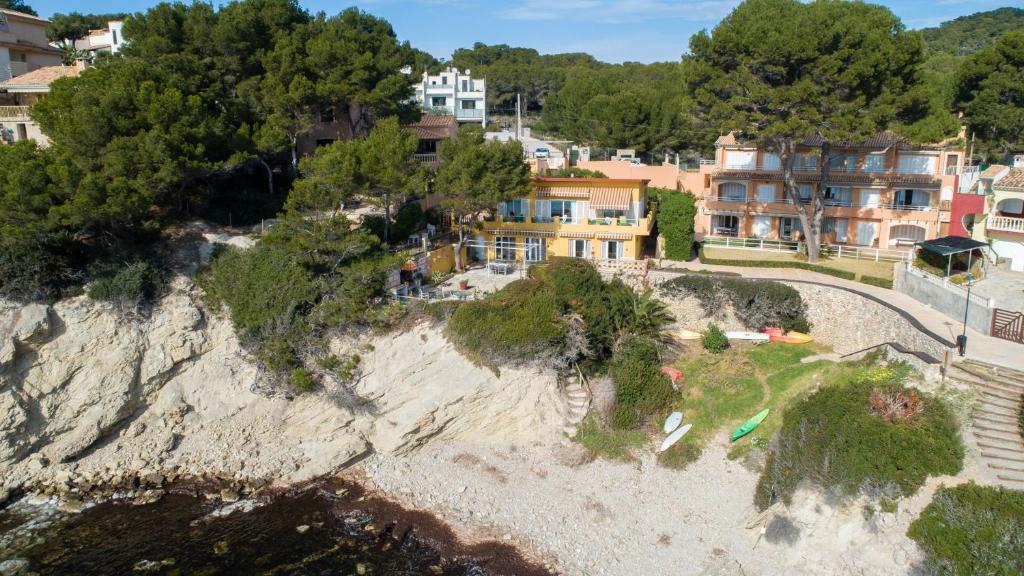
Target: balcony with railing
x=838, y=174
x=1005, y=224
x=469, y=113
x=14, y=113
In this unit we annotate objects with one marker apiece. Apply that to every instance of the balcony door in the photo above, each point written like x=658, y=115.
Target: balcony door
x=787, y=226
x=536, y=249
x=866, y=233
x=725, y=225
x=611, y=250
x=579, y=248
x=505, y=248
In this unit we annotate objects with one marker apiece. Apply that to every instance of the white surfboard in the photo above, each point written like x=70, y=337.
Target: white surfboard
x=674, y=437
x=673, y=421
x=739, y=335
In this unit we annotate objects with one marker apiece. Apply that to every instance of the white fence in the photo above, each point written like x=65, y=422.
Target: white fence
x=835, y=250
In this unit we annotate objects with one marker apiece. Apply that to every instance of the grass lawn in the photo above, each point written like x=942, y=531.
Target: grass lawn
x=724, y=390
x=859, y=267
x=608, y=443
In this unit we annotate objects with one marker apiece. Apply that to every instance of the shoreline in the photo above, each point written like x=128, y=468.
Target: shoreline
x=390, y=520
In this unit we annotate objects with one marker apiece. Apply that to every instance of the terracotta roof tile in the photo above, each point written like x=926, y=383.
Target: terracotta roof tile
x=1015, y=179
x=434, y=127
x=42, y=76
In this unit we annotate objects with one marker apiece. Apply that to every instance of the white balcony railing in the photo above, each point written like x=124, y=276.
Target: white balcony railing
x=475, y=113
x=1006, y=224
x=427, y=158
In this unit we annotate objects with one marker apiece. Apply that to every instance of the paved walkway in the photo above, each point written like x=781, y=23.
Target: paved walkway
x=979, y=346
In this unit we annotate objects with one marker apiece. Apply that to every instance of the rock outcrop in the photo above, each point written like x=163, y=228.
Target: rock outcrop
x=88, y=397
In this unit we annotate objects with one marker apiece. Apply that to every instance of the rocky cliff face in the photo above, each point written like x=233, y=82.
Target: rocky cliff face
x=88, y=397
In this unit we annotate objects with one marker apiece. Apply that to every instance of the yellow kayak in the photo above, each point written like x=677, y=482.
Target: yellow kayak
x=792, y=338
x=689, y=335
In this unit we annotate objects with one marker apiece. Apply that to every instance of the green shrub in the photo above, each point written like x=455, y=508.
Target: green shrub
x=714, y=340
x=758, y=304
x=302, y=379
x=776, y=264
x=578, y=288
x=876, y=281
x=261, y=286
x=408, y=219
x=640, y=387
x=842, y=437
x=135, y=283
x=606, y=443
x=519, y=323
x=971, y=529
x=676, y=212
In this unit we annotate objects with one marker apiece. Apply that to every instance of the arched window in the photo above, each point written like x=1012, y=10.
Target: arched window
x=1011, y=206
x=732, y=192
x=906, y=234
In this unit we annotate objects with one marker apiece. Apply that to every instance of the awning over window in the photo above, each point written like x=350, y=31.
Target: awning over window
x=609, y=199
x=514, y=232
x=580, y=235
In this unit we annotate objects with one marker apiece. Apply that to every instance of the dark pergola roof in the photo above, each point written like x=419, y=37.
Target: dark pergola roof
x=948, y=245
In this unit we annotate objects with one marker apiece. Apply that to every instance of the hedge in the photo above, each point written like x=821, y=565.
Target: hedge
x=758, y=304
x=876, y=281
x=776, y=264
x=676, y=211
x=641, y=389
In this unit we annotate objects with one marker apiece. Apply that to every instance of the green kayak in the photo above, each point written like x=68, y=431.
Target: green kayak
x=748, y=426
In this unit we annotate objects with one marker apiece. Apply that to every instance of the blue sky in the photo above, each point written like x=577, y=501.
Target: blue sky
x=611, y=30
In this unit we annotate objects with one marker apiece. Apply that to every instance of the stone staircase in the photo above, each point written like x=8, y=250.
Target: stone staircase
x=994, y=418
x=577, y=398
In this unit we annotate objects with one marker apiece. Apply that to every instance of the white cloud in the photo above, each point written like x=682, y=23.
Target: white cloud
x=616, y=12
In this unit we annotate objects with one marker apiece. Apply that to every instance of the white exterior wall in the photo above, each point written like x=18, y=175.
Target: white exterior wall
x=1013, y=251
x=459, y=90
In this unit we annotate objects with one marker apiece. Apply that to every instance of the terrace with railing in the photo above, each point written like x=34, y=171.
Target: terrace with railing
x=838, y=174
x=11, y=113
x=1005, y=224
x=831, y=202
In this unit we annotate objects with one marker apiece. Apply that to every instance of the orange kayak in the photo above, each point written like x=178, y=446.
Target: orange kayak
x=791, y=338
x=773, y=331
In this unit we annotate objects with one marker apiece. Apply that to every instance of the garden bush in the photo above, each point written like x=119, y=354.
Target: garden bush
x=641, y=389
x=519, y=323
x=876, y=281
x=866, y=430
x=758, y=304
x=971, y=529
x=714, y=340
x=676, y=211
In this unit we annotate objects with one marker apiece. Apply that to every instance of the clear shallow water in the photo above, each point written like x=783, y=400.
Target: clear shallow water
x=178, y=536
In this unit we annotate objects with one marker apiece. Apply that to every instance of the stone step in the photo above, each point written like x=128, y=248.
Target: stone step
x=989, y=400
x=1001, y=420
x=996, y=443
x=1002, y=388
x=997, y=434
x=996, y=411
x=984, y=367
x=996, y=457
x=1009, y=478
x=569, y=431
x=1002, y=395
x=1005, y=428
x=1011, y=468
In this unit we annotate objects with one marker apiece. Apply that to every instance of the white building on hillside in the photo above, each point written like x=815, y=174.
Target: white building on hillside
x=23, y=44
x=454, y=93
x=107, y=39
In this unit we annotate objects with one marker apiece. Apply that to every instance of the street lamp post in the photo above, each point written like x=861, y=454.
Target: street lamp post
x=961, y=341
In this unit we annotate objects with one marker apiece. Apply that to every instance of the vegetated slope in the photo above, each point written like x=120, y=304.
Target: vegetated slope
x=966, y=35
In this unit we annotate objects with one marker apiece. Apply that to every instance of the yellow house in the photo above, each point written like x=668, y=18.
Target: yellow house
x=592, y=218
